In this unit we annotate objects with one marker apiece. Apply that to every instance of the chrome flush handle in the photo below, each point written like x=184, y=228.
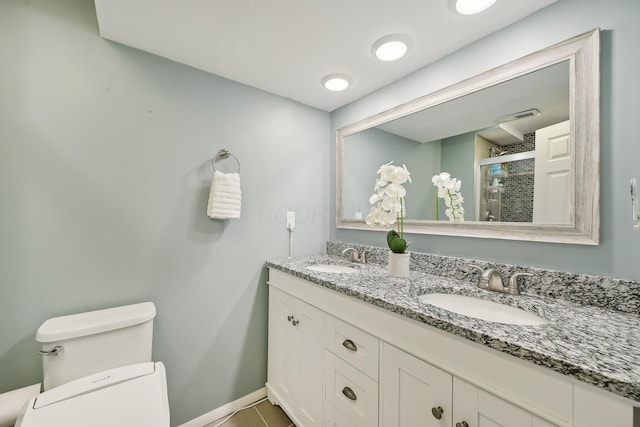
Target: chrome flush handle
x=55, y=351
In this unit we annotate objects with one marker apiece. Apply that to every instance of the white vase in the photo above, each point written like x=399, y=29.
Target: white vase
x=399, y=264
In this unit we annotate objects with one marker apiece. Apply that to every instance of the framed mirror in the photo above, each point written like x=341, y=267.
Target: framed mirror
x=523, y=139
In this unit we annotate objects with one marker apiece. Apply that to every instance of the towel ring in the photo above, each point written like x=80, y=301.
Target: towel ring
x=224, y=154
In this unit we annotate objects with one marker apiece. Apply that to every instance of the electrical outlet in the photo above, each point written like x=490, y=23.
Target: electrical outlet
x=291, y=220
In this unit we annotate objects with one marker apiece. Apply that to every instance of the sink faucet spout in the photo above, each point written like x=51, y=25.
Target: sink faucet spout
x=491, y=280
x=353, y=255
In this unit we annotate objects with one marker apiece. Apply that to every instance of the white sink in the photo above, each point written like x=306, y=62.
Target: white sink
x=483, y=309
x=331, y=268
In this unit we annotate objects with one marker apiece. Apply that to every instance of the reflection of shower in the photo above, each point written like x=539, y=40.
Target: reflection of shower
x=495, y=152
x=489, y=216
x=492, y=202
x=500, y=180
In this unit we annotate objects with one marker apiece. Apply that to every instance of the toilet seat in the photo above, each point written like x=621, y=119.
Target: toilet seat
x=129, y=396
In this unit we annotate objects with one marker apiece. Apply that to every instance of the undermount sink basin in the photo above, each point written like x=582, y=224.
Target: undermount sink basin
x=331, y=268
x=483, y=309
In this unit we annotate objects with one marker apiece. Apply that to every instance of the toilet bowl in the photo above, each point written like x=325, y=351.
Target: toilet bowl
x=128, y=396
x=98, y=372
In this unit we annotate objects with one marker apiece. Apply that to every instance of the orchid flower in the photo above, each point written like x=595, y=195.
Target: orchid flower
x=449, y=191
x=388, y=201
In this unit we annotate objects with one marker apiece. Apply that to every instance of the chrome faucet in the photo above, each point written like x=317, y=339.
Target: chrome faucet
x=353, y=255
x=491, y=280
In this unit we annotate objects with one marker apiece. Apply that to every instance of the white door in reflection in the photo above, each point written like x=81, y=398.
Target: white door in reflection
x=551, y=197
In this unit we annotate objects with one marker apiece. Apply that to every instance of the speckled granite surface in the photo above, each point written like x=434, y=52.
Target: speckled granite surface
x=595, y=345
x=584, y=289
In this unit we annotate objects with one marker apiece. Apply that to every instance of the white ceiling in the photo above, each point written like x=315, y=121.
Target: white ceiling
x=285, y=47
x=546, y=90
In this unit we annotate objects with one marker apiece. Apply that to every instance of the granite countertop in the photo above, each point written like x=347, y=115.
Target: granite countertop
x=594, y=345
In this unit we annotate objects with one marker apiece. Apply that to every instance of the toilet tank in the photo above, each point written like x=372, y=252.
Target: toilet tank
x=95, y=341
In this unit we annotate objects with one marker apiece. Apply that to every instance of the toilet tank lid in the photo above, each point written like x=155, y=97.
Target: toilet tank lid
x=94, y=322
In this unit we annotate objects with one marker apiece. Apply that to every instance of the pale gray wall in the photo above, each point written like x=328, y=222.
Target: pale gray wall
x=457, y=158
x=365, y=152
x=620, y=107
x=104, y=180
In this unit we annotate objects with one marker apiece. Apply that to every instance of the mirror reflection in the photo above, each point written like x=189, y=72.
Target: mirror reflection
x=524, y=139
x=509, y=144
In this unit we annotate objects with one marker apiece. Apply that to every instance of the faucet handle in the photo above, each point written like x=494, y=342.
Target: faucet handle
x=352, y=254
x=483, y=279
x=514, y=286
x=480, y=269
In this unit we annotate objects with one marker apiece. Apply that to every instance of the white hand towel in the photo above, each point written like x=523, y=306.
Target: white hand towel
x=224, y=197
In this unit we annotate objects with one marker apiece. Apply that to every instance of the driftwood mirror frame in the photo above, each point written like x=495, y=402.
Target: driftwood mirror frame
x=583, y=53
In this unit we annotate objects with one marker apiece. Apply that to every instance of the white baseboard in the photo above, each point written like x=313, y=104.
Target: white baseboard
x=227, y=409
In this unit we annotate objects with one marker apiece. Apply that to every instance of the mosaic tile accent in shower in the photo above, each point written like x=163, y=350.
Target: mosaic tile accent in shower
x=528, y=144
x=517, y=198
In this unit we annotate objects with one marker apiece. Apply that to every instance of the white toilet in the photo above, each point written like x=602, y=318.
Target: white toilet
x=98, y=372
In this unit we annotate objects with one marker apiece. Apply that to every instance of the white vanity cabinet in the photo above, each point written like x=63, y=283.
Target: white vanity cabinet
x=413, y=393
x=402, y=369
x=295, y=359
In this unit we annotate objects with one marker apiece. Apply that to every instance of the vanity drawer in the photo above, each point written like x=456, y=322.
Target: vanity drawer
x=350, y=393
x=333, y=418
x=353, y=345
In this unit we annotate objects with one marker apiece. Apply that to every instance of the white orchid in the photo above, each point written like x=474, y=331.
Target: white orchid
x=388, y=201
x=449, y=191
x=394, y=174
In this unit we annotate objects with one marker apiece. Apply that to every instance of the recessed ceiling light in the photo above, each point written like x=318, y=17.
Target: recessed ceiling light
x=336, y=82
x=471, y=7
x=391, y=47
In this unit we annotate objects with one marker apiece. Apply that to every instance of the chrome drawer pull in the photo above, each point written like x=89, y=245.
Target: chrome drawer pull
x=55, y=351
x=349, y=345
x=349, y=393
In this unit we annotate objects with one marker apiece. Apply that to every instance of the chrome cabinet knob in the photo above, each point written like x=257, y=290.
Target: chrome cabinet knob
x=295, y=322
x=462, y=424
x=289, y=318
x=437, y=412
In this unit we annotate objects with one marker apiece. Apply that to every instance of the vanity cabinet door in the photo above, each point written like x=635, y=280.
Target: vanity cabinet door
x=310, y=362
x=413, y=392
x=478, y=408
x=295, y=362
x=283, y=340
x=351, y=395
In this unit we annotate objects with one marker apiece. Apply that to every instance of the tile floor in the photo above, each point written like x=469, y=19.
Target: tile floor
x=264, y=414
